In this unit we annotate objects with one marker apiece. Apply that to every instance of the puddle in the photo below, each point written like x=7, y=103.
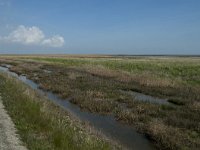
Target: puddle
x=6, y=65
x=123, y=134
x=146, y=98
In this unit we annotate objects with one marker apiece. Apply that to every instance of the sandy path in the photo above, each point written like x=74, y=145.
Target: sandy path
x=8, y=138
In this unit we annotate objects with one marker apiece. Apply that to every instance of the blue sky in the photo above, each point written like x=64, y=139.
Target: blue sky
x=100, y=26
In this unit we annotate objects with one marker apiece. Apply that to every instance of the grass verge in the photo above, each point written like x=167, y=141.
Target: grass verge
x=42, y=125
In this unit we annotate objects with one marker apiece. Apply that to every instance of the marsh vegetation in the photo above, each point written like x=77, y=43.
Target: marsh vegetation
x=43, y=125
x=96, y=83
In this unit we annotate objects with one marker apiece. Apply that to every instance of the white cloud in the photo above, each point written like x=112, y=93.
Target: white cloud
x=32, y=36
x=23, y=35
x=55, y=41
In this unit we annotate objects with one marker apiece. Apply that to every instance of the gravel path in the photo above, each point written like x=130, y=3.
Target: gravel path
x=8, y=138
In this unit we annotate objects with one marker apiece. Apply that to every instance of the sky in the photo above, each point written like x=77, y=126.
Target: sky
x=100, y=27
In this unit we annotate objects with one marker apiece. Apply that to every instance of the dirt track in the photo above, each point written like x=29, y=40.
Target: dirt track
x=8, y=138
